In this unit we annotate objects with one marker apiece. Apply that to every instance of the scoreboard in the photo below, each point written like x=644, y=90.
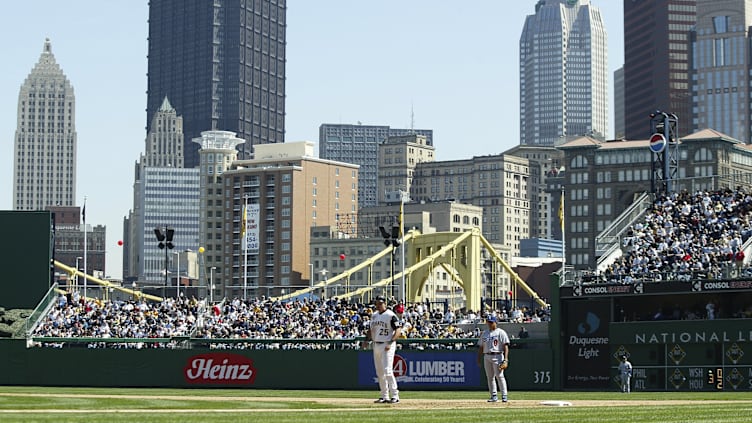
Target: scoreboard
x=685, y=355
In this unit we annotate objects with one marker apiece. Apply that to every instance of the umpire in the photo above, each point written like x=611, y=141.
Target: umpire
x=493, y=352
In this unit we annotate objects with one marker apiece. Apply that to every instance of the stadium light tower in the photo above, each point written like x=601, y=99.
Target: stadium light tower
x=165, y=243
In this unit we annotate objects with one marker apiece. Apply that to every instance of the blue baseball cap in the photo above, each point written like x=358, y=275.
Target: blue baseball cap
x=491, y=319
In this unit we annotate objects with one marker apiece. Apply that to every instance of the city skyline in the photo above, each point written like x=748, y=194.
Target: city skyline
x=346, y=62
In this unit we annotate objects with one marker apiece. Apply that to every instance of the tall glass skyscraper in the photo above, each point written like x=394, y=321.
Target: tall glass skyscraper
x=44, y=165
x=721, y=67
x=563, y=73
x=222, y=65
x=656, y=57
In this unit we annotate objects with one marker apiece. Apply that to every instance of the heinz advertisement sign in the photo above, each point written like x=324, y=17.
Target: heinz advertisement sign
x=219, y=369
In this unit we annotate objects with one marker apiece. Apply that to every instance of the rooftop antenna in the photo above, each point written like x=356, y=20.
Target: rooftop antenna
x=412, y=118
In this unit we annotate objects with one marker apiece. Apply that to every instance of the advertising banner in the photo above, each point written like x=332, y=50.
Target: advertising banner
x=252, y=224
x=416, y=369
x=587, y=344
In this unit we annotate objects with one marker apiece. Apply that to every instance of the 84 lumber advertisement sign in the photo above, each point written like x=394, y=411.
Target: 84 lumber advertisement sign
x=425, y=369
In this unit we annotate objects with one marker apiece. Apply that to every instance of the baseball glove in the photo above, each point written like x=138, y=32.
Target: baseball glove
x=503, y=365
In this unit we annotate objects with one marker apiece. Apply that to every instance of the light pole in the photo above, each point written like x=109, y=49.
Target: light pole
x=244, y=236
x=403, y=285
x=310, y=278
x=77, y=270
x=323, y=291
x=177, y=278
x=202, y=268
x=165, y=243
x=393, y=254
x=392, y=239
x=133, y=285
x=211, y=284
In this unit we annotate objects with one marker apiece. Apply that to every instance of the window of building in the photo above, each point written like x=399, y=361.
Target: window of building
x=720, y=24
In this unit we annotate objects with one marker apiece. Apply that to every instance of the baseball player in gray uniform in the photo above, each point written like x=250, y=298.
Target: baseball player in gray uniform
x=383, y=332
x=493, y=349
x=625, y=373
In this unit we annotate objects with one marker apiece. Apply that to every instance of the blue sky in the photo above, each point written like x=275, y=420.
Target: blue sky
x=454, y=63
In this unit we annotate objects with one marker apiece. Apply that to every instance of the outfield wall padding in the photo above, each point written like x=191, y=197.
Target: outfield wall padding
x=263, y=369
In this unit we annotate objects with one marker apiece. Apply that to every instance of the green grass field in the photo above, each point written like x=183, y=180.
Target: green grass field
x=35, y=404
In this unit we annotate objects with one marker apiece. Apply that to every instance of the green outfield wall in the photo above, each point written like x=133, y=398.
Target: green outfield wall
x=687, y=355
x=530, y=368
x=25, y=257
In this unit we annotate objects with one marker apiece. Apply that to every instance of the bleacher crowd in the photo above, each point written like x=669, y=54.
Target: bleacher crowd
x=257, y=323
x=687, y=236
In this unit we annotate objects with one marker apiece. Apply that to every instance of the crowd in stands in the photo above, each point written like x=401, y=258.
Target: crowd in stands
x=687, y=236
x=93, y=318
x=258, y=323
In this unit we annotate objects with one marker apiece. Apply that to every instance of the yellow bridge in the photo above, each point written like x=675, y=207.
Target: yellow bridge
x=459, y=253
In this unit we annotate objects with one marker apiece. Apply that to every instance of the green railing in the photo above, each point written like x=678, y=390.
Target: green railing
x=41, y=309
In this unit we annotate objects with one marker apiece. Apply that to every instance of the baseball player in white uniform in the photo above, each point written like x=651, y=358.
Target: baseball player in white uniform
x=493, y=348
x=625, y=373
x=383, y=333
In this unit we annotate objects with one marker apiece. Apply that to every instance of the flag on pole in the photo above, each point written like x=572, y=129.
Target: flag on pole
x=243, y=221
x=561, y=212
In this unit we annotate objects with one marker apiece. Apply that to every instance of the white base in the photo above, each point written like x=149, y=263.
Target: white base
x=556, y=403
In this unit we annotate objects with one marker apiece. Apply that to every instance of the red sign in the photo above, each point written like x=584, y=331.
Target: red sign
x=220, y=369
x=399, y=366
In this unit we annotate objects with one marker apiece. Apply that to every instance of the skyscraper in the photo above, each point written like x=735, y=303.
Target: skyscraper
x=563, y=73
x=619, y=114
x=164, y=195
x=222, y=65
x=656, y=63
x=44, y=165
x=720, y=67
x=359, y=144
